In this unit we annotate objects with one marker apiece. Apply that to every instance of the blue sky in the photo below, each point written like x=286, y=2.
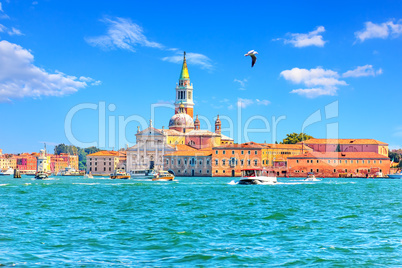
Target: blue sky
x=55, y=55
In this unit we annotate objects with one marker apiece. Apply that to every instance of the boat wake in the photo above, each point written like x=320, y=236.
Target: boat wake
x=233, y=182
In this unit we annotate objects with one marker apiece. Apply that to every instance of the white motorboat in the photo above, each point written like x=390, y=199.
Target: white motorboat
x=257, y=176
x=395, y=175
x=311, y=177
x=143, y=173
x=7, y=172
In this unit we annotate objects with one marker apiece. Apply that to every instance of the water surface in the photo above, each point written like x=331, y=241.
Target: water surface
x=72, y=221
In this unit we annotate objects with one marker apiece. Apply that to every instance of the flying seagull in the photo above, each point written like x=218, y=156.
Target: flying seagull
x=252, y=53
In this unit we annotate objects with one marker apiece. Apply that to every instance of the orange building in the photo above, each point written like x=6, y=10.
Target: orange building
x=338, y=164
x=228, y=160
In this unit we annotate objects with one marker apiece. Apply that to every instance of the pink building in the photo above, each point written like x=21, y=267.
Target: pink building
x=348, y=145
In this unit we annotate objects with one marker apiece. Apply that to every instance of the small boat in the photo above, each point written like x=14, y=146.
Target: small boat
x=395, y=175
x=257, y=176
x=69, y=171
x=311, y=177
x=163, y=176
x=40, y=175
x=143, y=173
x=89, y=175
x=7, y=172
x=119, y=174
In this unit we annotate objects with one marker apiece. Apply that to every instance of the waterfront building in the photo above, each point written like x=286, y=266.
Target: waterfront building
x=276, y=155
x=189, y=162
x=26, y=162
x=102, y=163
x=152, y=143
x=347, y=145
x=58, y=163
x=7, y=162
x=229, y=159
x=338, y=164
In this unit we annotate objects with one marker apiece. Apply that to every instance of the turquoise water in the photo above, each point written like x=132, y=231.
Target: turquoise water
x=71, y=221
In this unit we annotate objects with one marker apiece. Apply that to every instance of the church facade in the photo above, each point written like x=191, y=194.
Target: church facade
x=184, y=132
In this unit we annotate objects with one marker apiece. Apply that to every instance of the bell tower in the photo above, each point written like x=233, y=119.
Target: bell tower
x=184, y=91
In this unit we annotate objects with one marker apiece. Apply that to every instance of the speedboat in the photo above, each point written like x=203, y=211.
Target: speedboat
x=7, y=172
x=163, y=176
x=40, y=175
x=257, y=176
x=311, y=177
x=119, y=174
x=395, y=175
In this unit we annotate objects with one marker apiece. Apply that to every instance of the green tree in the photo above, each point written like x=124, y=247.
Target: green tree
x=82, y=153
x=294, y=138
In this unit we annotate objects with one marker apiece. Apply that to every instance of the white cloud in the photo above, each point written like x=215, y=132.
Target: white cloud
x=1, y=7
x=319, y=81
x=244, y=103
x=313, y=38
x=262, y=102
x=241, y=82
x=20, y=78
x=382, y=30
x=123, y=34
x=14, y=31
x=192, y=58
x=366, y=70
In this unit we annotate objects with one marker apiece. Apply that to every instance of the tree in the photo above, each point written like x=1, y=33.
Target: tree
x=294, y=138
x=82, y=153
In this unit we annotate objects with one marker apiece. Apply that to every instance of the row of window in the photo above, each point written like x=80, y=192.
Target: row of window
x=234, y=162
x=345, y=170
x=181, y=95
x=104, y=163
x=96, y=169
x=191, y=161
x=193, y=171
x=233, y=152
x=104, y=159
x=344, y=161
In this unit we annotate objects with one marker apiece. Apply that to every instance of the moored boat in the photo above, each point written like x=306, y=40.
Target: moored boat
x=69, y=171
x=257, y=176
x=7, y=172
x=163, y=176
x=119, y=174
x=395, y=175
x=143, y=173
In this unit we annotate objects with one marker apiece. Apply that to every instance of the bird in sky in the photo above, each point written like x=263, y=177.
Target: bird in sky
x=252, y=53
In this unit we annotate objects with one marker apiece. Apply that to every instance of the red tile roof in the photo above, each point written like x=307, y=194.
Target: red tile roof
x=336, y=155
x=104, y=153
x=343, y=141
x=247, y=145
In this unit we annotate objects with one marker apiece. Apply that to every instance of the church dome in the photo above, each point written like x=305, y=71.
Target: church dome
x=181, y=120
